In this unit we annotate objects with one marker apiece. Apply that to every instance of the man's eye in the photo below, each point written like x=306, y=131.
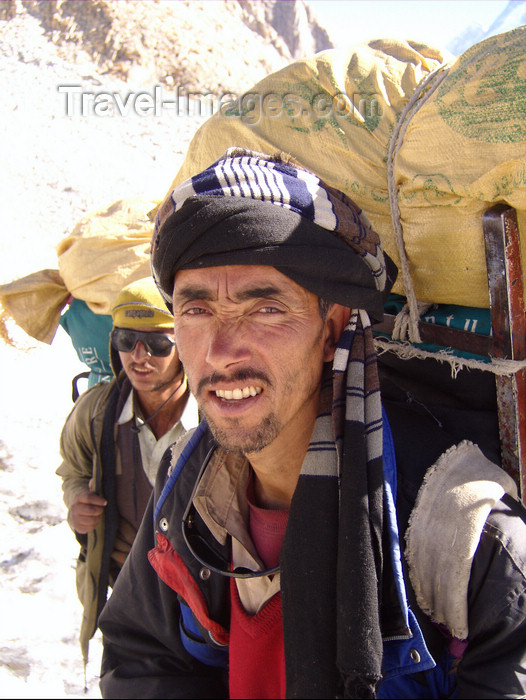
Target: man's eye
x=194, y=311
x=269, y=310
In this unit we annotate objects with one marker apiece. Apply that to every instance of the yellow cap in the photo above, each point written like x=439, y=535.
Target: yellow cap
x=139, y=305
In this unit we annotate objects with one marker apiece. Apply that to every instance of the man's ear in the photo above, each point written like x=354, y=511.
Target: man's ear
x=337, y=318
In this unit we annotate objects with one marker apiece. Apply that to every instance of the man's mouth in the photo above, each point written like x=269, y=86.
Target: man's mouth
x=141, y=370
x=238, y=393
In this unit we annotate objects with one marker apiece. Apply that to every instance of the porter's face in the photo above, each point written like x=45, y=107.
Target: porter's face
x=253, y=344
x=148, y=372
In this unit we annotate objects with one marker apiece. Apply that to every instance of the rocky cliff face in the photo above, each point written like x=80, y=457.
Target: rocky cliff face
x=208, y=46
x=294, y=22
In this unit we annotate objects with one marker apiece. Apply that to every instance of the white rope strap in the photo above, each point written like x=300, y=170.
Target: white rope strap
x=406, y=351
x=427, y=87
x=402, y=329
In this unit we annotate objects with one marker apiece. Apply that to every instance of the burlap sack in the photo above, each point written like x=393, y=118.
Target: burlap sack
x=35, y=303
x=338, y=113
x=105, y=250
x=463, y=151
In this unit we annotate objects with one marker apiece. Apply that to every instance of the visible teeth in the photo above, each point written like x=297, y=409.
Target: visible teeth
x=237, y=394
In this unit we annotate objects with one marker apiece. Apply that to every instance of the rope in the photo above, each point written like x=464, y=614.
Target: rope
x=403, y=324
x=406, y=351
x=422, y=93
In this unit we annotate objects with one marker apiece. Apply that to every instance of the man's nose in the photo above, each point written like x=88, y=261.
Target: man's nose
x=228, y=345
x=140, y=351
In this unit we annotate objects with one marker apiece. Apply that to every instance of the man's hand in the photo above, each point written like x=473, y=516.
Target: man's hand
x=86, y=511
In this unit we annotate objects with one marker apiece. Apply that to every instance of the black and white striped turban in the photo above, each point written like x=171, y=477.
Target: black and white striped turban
x=251, y=209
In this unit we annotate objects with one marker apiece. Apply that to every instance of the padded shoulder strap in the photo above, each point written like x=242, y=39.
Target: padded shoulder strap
x=107, y=471
x=453, y=503
x=180, y=452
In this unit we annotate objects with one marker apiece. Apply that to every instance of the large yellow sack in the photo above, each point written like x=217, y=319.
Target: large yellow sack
x=334, y=112
x=463, y=151
x=337, y=113
x=35, y=303
x=106, y=249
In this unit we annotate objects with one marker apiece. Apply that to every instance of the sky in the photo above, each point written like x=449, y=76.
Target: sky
x=433, y=21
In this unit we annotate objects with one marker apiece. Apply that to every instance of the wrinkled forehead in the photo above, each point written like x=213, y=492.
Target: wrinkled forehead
x=235, y=282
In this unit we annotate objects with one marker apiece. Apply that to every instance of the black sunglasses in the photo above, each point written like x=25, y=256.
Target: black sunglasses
x=203, y=550
x=157, y=344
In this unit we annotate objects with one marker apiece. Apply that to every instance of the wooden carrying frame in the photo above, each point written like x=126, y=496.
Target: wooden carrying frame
x=508, y=335
x=508, y=324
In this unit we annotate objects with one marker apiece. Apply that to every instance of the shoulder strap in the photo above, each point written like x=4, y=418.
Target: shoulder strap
x=107, y=456
x=75, y=393
x=181, y=451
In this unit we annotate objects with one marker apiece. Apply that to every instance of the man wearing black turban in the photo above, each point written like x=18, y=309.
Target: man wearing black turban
x=269, y=563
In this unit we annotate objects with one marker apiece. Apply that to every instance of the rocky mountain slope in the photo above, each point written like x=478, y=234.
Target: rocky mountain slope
x=210, y=45
x=56, y=169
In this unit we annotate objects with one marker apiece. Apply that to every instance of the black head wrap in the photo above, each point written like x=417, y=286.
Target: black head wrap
x=249, y=210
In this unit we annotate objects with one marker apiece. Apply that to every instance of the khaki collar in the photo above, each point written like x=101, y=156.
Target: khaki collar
x=221, y=502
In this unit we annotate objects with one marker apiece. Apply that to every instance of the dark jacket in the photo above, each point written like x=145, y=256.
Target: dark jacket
x=165, y=627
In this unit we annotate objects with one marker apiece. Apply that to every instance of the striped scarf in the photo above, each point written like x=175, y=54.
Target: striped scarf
x=333, y=547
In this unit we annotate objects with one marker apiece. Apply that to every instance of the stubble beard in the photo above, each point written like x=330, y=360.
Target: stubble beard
x=243, y=441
